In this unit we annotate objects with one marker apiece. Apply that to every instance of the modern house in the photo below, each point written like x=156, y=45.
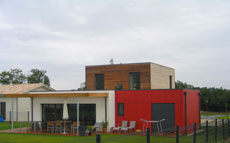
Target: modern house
x=21, y=105
x=116, y=93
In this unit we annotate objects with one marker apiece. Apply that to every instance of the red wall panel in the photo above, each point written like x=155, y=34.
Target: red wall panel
x=137, y=105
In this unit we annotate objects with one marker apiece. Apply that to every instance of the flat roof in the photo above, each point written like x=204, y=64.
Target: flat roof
x=129, y=64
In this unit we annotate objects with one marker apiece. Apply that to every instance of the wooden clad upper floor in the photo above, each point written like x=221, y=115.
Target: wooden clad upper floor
x=129, y=76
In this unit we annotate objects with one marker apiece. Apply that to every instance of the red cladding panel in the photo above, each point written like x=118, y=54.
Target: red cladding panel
x=137, y=105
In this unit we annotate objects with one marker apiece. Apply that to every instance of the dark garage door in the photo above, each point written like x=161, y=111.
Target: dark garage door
x=163, y=111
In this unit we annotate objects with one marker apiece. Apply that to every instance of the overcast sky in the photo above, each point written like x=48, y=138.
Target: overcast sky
x=63, y=36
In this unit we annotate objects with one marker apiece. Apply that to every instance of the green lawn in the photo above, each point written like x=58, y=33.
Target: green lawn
x=7, y=125
x=223, y=117
x=29, y=138
x=203, y=113
x=32, y=138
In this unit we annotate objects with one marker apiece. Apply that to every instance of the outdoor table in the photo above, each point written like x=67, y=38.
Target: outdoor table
x=64, y=125
x=159, y=129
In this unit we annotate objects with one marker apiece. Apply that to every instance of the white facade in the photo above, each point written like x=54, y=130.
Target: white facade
x=99, y=101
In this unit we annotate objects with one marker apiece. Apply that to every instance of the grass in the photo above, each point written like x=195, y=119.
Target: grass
x=7, y=125
x=204, y=113
x=223, y=117
x=29, y=138
x=32, y=138
x=38, y=138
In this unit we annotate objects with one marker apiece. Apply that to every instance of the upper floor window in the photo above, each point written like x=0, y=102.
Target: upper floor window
x=99, y=81
x=170, y=82
x=134, y=80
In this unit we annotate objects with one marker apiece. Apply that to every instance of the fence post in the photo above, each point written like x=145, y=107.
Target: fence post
x=223, y=128
x=194, y=137
x=228, y=128
x=98, y=138
x=216, y=130
x=28, y=119
x=177, y=134
x=10, y=116
x=206, y=131
x=148, y=135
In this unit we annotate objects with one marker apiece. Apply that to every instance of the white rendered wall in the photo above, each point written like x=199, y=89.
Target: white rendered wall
x=111, y=110
x=99, y=101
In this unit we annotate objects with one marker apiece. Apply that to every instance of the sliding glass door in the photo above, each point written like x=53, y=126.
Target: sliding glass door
x=54, y=112
x=87, y=113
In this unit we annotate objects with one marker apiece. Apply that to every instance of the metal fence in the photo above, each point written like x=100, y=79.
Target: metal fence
x=217, y=131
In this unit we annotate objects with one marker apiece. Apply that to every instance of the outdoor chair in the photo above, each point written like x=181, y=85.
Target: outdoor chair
x=74, y=126
x=131, y=127
x=50, y=126
x=124, y=125
x=58, y=126
x=97, y=127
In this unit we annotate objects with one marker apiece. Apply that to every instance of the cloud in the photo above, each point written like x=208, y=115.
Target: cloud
x=64, y=36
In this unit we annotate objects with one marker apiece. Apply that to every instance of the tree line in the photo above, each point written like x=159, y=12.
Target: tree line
x=211, y=99
x=16, y=76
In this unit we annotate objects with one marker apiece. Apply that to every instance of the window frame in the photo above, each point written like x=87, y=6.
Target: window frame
x=130, y=80
x=118, y=109
x=95, y=81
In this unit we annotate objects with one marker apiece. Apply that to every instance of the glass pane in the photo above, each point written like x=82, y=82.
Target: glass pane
x=87, y=114
x=99, y=81
x=134, y=80
x=72, y=110
x=120, y=109
x=52, y=112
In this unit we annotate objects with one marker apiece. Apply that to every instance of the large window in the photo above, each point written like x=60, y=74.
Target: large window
x=87, y=113
x=3, y=109
x=99, y=81
x=121, y=109
x=52, y=112
x=134, y=80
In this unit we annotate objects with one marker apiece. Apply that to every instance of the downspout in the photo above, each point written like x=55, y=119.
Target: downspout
x=105, y=109
x=185, y=107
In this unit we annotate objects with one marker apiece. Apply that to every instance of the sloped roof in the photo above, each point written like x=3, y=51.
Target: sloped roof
x=22, y=88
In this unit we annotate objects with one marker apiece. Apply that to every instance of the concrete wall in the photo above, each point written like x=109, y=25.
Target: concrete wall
x=160, y=77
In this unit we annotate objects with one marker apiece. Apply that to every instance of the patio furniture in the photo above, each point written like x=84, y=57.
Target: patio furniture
x=50, y=126
x=58, y=126
x=130, y=128
x=74, y=126
x=124, y=125
x=158, y=124
x=97, y=126
x=35, y=126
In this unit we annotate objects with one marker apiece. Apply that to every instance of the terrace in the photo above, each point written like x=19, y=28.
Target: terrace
x=49, y=114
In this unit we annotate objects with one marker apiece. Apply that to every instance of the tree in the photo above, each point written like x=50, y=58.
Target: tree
x=38, y=76
x=183, y=85
x=14, y=76
x=82, y=86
